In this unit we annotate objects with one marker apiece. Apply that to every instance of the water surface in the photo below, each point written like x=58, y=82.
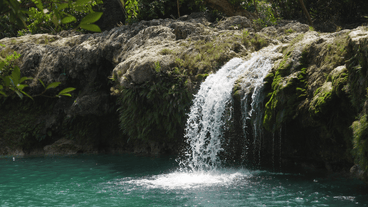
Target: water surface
x=128, y=180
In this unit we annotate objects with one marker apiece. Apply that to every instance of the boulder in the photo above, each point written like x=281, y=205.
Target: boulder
x=66, y=147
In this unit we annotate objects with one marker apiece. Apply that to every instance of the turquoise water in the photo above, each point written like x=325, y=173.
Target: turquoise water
x=128, y=180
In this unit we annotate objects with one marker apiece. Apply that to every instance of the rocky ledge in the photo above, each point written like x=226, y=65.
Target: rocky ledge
x=134, y=86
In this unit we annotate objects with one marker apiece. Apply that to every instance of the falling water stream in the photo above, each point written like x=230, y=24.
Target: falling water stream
x=204, y=131
x=199, y=178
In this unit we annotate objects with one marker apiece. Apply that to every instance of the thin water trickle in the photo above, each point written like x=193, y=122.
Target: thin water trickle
x=273, y=151
x=280, y=142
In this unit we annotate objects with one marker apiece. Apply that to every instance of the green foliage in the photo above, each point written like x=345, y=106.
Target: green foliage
x=64, y=92
x=266, y=14
x=155, y=110
x=322, y=10
x=360, y=141
x=166, y=51
x=131, y=9
x=245, y=34
x=258, y=42
x=289, y=31
x=157, y=67
x=11, y=81
x=50, y=16
x=148, y=9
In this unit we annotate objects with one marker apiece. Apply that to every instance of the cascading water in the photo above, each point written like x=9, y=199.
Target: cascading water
x=204, y=129
x=252, y=107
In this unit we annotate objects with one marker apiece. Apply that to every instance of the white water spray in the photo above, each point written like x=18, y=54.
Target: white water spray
x=204, y=132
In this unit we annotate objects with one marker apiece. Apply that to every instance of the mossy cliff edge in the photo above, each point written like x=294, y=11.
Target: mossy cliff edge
x=316, y=100
x=135, y=85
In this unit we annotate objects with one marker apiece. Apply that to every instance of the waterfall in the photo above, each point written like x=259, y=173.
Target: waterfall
x=208, y=114
x=252, y=107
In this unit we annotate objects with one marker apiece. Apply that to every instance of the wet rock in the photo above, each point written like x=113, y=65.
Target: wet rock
x=65, y=146
x=357, y=172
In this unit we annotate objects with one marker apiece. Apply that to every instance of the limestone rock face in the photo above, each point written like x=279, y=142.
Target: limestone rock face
x=97, y=65
x=235, y=22
x=316, y=88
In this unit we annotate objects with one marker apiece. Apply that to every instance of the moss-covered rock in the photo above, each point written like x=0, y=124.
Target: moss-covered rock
x=316, y=93
x=309, y=95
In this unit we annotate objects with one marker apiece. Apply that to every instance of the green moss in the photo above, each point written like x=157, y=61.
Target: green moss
x=360, y=141
x=201, y=77
x=208, y=55
x=6, y=52
x=321, y=101
x=166, y=51
x=289, y=31
x=244, y=37
x=285, y=94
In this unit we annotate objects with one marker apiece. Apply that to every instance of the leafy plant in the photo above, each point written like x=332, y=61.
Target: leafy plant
x=131, y=8
x=12, y=82
x=52, y=15
x=157, y=67
x=64, y=92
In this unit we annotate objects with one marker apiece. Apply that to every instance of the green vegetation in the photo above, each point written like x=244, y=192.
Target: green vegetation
x=166, y=51
x=20, y=123
x=360, y=141
x=155, y=110
x=12, y=82
x=286, y=93
x=289, y=31
x=209, y=55
x=37, y=16
x=157, y=67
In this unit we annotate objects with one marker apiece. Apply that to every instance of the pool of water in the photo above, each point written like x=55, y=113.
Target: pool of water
x=129, y=180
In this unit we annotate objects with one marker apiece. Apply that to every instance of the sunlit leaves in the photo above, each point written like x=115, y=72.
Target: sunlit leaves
x=66, y=92
x=60, y=14
x=68, y=19
x=86, y=22
x=91, y=18
x=90, y=27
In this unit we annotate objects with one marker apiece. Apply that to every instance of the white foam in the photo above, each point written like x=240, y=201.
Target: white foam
x=191, y=180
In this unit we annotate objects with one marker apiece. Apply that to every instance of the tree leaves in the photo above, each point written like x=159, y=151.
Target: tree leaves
x=81, y=2
x=53, y=85
x=86, y=22
x=90, y=27
x=56, y=13
x=91, y=18
x=68, y=19
x=65, y=92
x=12, y=82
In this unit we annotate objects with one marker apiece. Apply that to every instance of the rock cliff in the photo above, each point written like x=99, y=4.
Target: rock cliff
x=135, y=84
